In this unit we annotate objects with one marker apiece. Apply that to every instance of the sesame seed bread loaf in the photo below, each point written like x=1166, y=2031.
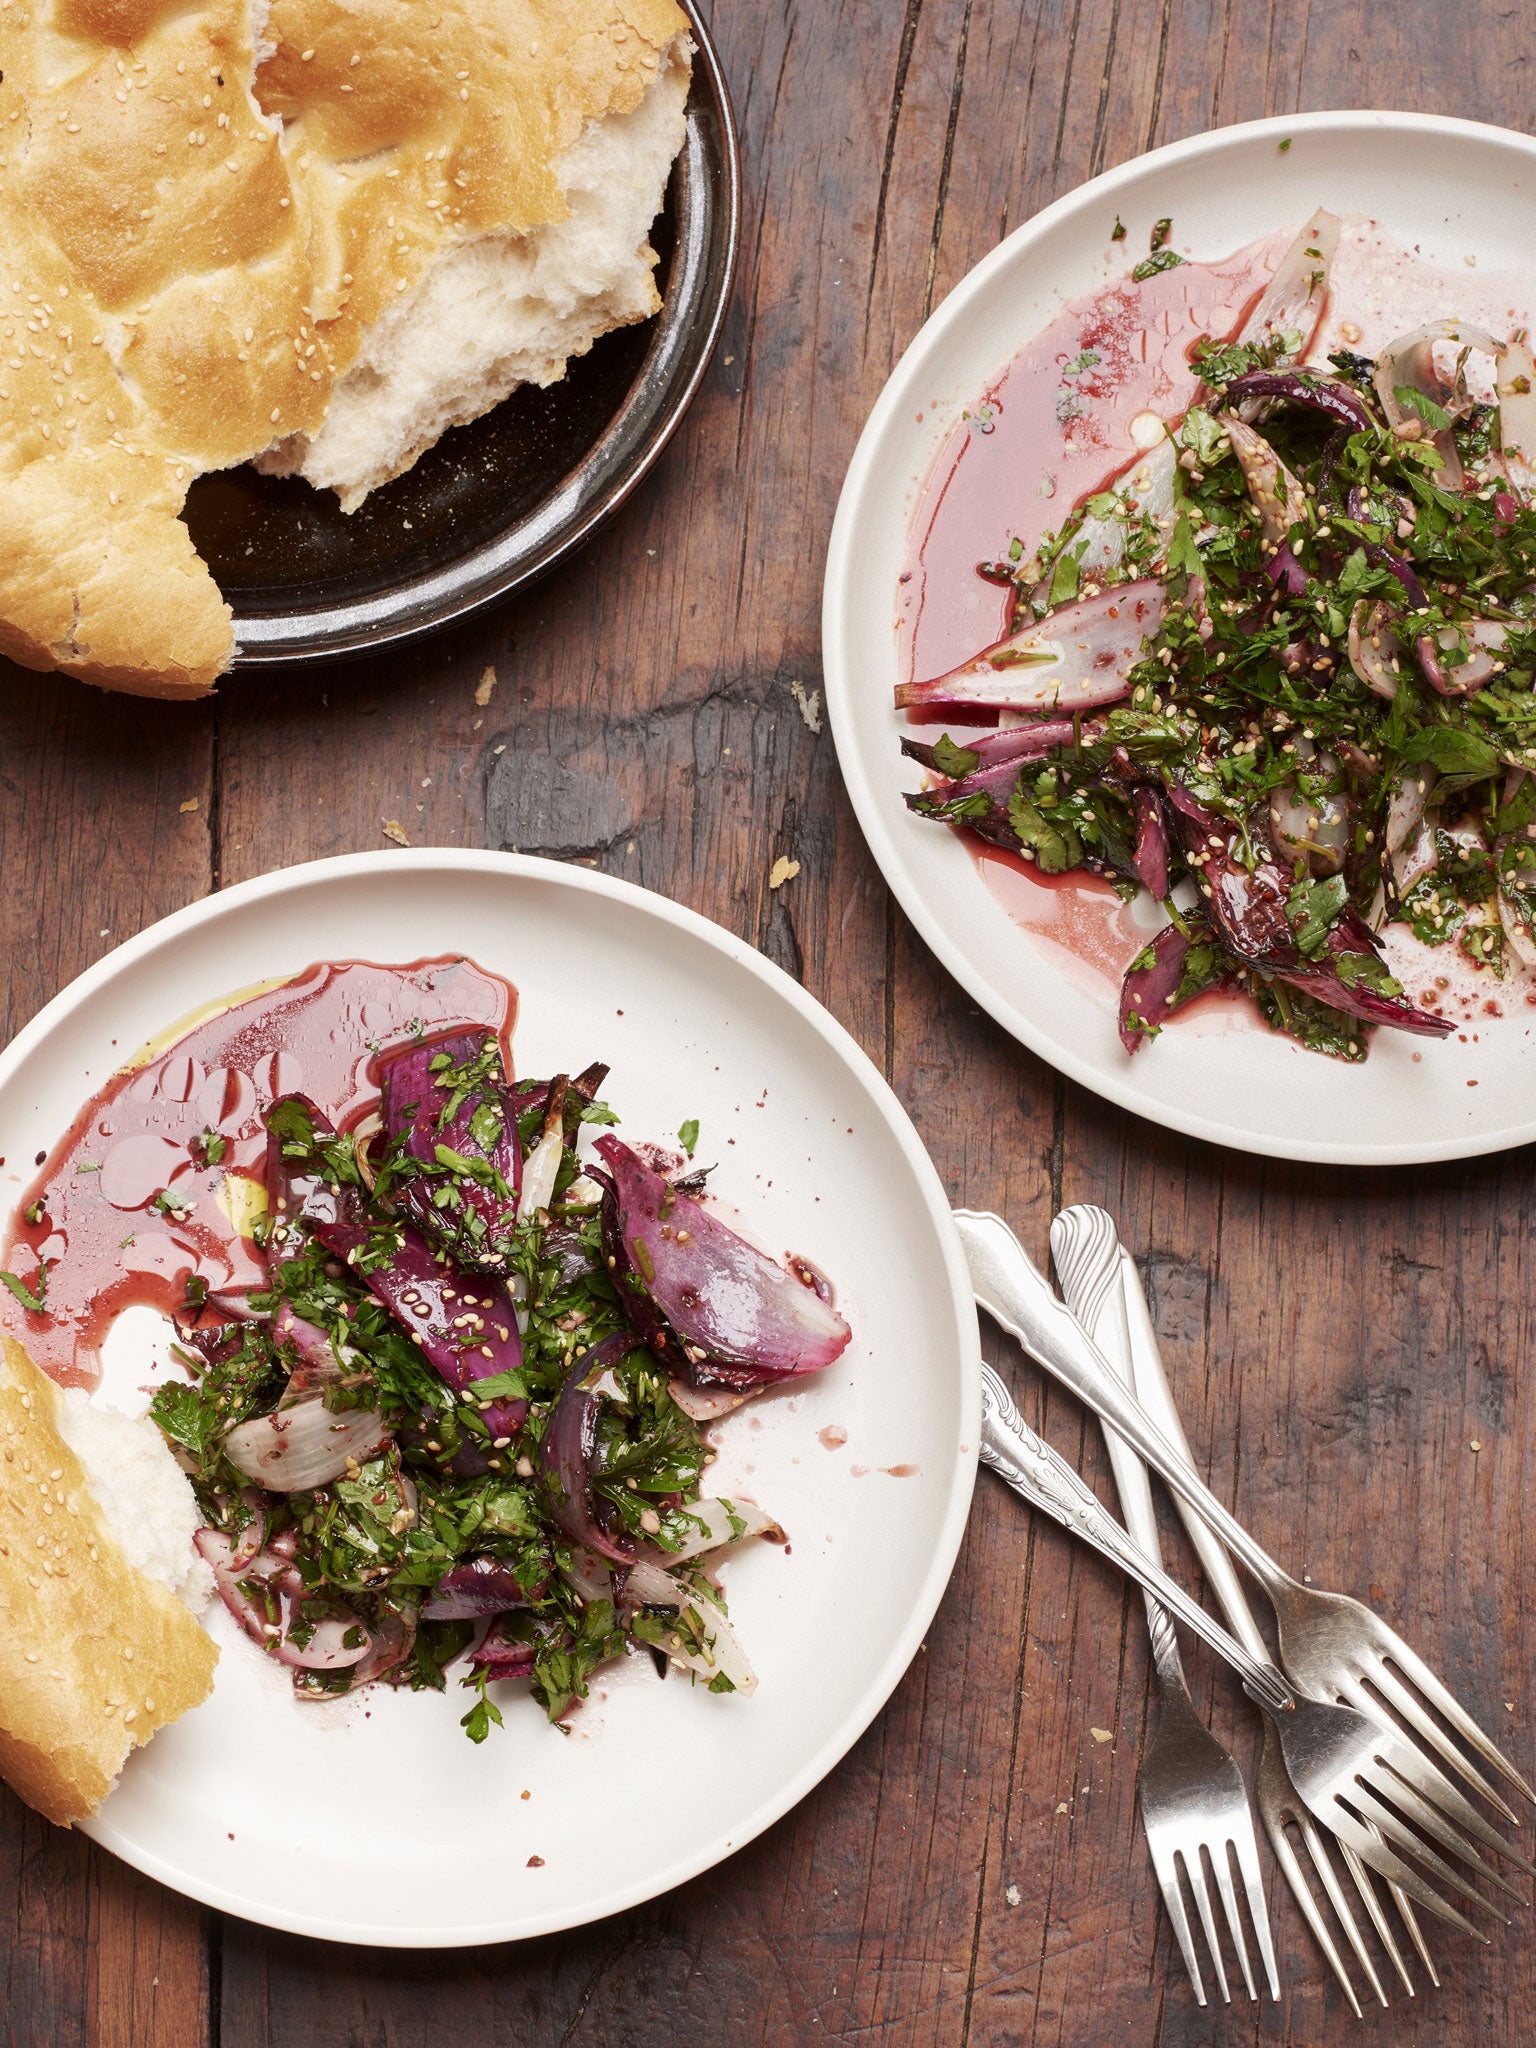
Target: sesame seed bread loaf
x=98, y=1584
x=196, y=250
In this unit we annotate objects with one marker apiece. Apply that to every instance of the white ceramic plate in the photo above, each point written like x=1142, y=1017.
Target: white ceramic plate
x=1459, y=191
x=375, y=1820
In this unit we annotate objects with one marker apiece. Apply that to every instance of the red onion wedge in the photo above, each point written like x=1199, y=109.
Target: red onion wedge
x=1150, y=859
x=567, y=1456
x=1326, y=395
x=426, y=1114
x=543, y=1166
x=692, y=1286
x=265, y=1596
x=1149, y=994
x=1247, y=906
x=1144, y=489
x=477, y=1587
x=1074, y=659
x=1314, y=830
x=1408, y=364
x=1368, y=1004
x=721, y=1654
x=307, y=1445
x=1293, y=300
x=1376, y=654
x=1278, y=496
x=707, y=1404
x=1515, y=388
x=1480, y=641
x=293, y=1190
x=502, y=1655
x=995, y=785
x=716, y=1524
x=465, y=1323
x=1009, y=743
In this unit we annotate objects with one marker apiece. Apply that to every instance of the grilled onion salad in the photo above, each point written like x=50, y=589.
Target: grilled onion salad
x=1280, y=674
x=456, y=1424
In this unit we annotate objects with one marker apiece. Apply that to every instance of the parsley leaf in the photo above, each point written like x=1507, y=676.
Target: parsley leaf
x=1434, y=416
x=954, y=761
x=1149, y=266
x=23, y=1292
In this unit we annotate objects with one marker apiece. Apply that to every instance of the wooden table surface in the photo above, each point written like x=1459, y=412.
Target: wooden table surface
x=974, y=1872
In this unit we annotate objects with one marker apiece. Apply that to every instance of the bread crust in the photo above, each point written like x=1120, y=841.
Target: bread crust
x=196, y=248
x=95, y=1657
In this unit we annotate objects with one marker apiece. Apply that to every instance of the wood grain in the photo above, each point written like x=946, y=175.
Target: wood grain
x=973, y=1875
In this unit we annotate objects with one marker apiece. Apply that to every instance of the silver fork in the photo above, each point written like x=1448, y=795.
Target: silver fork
x=1193, y=1799
x=1084, y=1243
x=1359, y=1775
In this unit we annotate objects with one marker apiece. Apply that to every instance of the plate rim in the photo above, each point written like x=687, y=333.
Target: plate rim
x=281, y=639
x=872, y=807
x=961, y=1469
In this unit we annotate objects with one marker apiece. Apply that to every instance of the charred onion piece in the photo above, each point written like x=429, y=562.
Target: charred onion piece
x=418, y=1096
x=567, y=1454
x=1074, y=659
x=1303, y=387
x=465, y=1323
x=707, y=1302
x=1150, y=859
x=479, y=1586
x=304, y=1446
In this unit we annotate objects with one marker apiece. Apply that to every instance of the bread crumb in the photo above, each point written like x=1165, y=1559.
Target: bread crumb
x=1063, y=1808
x=809, y=702
x=1475, y=1445
x=784, y=870
x=484, y=687
x=189, y=805
x=393, y=829
x=1102, y=1734
x=1012, y=1895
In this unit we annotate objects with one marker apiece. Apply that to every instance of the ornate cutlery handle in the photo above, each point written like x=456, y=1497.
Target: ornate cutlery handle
x=1016, y=1294
x=1086, y=1248
x=1156, y=1396
x=1043, y=1477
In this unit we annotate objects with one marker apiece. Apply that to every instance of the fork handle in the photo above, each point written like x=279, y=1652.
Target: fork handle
x=1015, y=1293
x=1156, y=1396
x=1045, y=1479
x=1086, y=1249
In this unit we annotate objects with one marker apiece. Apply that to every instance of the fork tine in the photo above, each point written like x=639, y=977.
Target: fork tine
x=1403, y=1757
x=1427, y=1816
x=1290, y=1866
x=1372, y=1850
x=1373, y=1808
x=1258, y=1911
x=1173, y=1898
x=1279, y=1803
x=1412, y=1666
x=1195, y=1872
x=1372, y=1905
x=1392, y=1689
x=1221, y=1869
x=1430, y=1782
x=1322, y=1862
x=1410, y=1920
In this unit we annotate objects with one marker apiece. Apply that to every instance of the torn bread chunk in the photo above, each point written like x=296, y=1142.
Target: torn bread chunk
x=511, y=307
x=99, y=1587
x=218, y=215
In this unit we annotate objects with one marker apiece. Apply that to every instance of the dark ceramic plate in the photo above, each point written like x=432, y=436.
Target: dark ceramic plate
x=498, y=502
